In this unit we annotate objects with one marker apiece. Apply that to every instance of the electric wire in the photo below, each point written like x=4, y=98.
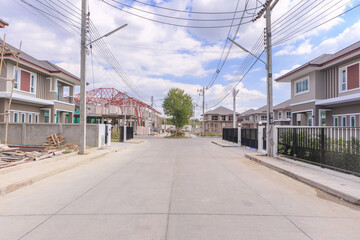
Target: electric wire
x=189, y=12
x=174, y=24
x=182, y=18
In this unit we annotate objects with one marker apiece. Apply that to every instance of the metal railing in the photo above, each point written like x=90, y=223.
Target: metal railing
x=249, y=137
x=333, y=147
x=230, y=134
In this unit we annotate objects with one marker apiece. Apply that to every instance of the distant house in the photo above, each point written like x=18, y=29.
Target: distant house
x=3, y=24
x=217, y=119
x=326, y=90
x=43, y=92
x=253, y=118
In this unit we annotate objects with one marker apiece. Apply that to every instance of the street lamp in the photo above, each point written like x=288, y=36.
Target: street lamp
x=82, y=145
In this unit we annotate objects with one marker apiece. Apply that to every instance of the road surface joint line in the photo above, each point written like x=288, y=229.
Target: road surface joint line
x=170, y=197
x=241, y=180
x=77, y=198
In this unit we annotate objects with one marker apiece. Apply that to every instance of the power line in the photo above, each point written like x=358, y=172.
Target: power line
x=172, y=24
x=181, y=18
x=189, y=12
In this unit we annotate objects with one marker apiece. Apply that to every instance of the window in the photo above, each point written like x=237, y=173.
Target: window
x=30, y=118
x=349, y=77
x=214, y=118
x=352, y=121
x=58, y=93
x=36, y=118
x=247, y=119
x=302, y=86
x=32, y=83
x=16, y=117
x=46, y=116
x=279, y=115
x=256, y=118
x=336, y=124
x=343, y=80
x=17, y=79
x=57, y=117
x=322, y=118
x=231, y=118
x=223, y=118
x=309, y=119
x=23, y=117
x=343, y=121
x=288, y=115
x=263, y=118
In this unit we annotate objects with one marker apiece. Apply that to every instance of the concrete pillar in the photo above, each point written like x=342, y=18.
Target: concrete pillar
x=239, y=136
x=71, y=94
x=260, y=138
x=276, y=140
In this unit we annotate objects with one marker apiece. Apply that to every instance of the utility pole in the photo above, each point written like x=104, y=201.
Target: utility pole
x=124, y=116
x=270, y=113
x=234, y=105
x=202, y=93
x=152, y=115
x=82, y=145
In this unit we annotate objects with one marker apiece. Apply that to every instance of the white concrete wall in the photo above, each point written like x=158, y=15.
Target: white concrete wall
x=36, y=134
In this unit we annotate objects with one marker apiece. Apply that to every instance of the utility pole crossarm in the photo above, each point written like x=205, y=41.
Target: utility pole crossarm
x=244, y=49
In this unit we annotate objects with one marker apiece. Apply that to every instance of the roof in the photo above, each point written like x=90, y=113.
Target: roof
x=50, y=67
x=324, y=60
x=283, y=105
x=260, y=110
x=247, y=112
x=220, y=111
x=3, y=22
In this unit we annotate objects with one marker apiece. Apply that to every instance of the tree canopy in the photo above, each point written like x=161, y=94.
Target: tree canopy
x=179, y=106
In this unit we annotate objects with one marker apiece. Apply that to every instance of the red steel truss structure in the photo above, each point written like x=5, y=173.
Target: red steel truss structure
x=112, y=96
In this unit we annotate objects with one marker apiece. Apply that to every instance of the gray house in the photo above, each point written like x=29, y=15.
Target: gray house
x=326, y=90
x=43, y=92
x=217, y=119
x=253, y=118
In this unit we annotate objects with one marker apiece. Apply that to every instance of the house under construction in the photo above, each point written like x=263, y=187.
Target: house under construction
x=111, y=106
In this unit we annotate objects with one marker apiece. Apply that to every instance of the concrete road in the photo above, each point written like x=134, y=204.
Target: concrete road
x=175, y=189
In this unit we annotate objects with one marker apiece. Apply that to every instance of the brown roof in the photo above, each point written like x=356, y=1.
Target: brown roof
x=325, y=59
x=247, y=112
x=44, y=64
x=2, y=22
x=220, y=111
x=283, y=105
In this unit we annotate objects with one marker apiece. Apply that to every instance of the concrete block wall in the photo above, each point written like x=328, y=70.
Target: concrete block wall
x=36, y=134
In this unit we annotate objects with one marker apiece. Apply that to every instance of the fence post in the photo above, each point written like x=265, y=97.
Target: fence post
x=260, y=138
x=322, y=145
x=294, y=142
x=276, y=140
x=239, y=136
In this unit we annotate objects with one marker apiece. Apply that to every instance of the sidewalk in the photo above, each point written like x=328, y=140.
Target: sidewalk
x=344, y=186
x=19, y=176
x=222, y=143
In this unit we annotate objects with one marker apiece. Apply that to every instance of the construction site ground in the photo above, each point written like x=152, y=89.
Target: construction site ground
x=15, y=177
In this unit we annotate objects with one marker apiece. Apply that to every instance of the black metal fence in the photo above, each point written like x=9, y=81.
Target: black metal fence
x=129, y=133
x=264, y=138
x=230, y=134
x=333, y=147
x=249, y=137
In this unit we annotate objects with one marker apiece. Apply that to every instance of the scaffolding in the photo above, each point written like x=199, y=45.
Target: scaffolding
x=112, y=102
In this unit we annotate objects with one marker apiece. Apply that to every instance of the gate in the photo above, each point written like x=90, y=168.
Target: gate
x=249, y=137
x=129, y=133
x=230, y=134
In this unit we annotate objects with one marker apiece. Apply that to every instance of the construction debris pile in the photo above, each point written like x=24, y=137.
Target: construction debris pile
x=11, y=155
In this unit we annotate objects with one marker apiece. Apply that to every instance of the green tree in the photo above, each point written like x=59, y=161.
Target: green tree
x=179, y=106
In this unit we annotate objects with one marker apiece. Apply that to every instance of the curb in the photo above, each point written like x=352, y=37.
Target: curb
x=308, y=181
x=223, y=145
x=15, y=186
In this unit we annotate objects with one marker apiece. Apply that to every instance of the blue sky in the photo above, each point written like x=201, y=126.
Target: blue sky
x=157, y=57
